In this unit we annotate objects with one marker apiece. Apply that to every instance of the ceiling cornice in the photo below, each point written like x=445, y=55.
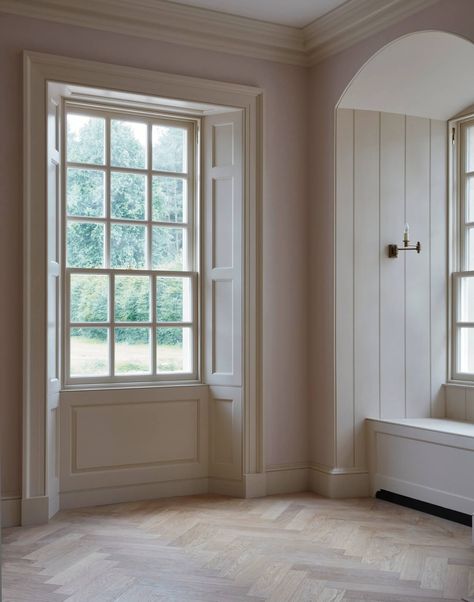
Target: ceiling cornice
x=201, y=28
x=352, y=22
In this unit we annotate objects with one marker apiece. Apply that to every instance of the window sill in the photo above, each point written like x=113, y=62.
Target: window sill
x=124, y=386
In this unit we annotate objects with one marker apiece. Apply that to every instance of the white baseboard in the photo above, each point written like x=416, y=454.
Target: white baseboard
x=11, y=512
x=132, y=493
x=287, y=480
x=255, y=484
x=35, y=511
x=339, y=482
x=230, y=487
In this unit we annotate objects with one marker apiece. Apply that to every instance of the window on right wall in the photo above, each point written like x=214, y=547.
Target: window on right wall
x=462, y=248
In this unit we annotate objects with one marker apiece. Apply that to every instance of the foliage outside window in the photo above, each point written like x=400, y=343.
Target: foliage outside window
x=130, y=270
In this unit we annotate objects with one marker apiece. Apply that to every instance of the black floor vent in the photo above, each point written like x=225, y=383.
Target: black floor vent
x=408, y=502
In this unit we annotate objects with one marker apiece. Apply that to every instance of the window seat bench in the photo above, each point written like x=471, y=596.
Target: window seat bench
x=427, y=459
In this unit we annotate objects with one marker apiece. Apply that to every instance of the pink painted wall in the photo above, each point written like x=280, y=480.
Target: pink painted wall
x=285, y=290
x=328, y=80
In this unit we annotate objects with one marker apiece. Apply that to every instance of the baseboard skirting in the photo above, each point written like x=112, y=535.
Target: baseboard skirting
x=287, y=480
x=35, y=511
x=231, y=487
x=325, y=481
x=11, y=512
x=339, y=482
x=131, y=493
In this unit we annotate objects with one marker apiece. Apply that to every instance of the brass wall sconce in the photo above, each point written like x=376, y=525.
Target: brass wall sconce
x=394, y=249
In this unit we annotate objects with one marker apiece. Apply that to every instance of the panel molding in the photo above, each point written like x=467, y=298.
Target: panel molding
x=156, y=400
x=202, y=28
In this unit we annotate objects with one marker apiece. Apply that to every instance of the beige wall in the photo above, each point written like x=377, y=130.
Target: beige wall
x=328, y=81
x=284, y=217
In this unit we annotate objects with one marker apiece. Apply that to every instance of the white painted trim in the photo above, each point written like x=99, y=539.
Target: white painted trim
x=11, y=512
x=255, y=485
x=230, y=487
x=289, y=480
x=339, y=482
x=221, y=32
x=35, y=511
x=354, y=21
x=131, y=493
x=38, y=70
x=171, y=22
x=416, y=491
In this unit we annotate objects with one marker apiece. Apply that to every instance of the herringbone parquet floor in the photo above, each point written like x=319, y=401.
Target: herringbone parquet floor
x=295, y=547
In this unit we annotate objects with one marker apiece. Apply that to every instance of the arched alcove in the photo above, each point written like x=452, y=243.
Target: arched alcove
x=423, y=74
x=392, y=168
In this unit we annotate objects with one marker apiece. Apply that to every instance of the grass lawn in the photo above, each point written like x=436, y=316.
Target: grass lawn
x=89, y=357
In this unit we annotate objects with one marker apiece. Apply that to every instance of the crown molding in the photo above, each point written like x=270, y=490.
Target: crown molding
x=202, y=28
x=352, y=22
x=170, y=22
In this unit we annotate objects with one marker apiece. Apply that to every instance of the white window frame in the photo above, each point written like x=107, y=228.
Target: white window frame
x=193, y=236
x=40, y=72
x=458, y=226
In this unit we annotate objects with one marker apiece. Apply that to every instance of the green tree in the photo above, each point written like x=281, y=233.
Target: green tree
x=85, y=241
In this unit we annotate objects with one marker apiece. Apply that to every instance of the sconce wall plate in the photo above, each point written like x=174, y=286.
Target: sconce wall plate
x=394, y=249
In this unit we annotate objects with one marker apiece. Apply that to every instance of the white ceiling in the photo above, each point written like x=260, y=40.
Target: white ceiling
x=296, y=13
x=425, y=74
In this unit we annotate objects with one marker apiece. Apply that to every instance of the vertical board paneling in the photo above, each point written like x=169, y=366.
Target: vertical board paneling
x=438, y=267
x=345, y=287
x=417, y=283
x=392, y=274
x=391, y=325
x=366, y=274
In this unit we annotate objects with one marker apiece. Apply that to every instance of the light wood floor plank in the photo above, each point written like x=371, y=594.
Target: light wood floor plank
x=299, y=548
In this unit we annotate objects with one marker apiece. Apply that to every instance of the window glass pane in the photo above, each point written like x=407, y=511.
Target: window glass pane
x=470, y=198
x=173, y=349
x=167, y=248
x=85, y=192
x=85, y=139
x=173, y=299
x=89, y=300
x=128, y=142
x=132, y=298
x=466, y=299
x=132, y=351
x=128, y=195
x=127, y=246
x=169, y=148
x=469, y=248
x=89, y=351
x=85, y=245
x=466, y=350
x=470, y=148
x=169, y=199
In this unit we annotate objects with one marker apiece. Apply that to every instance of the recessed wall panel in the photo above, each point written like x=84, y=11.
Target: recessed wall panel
x=132, y=434
x=222, y=223
x=222, y=431
x=222, y=332
x=223, y=147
